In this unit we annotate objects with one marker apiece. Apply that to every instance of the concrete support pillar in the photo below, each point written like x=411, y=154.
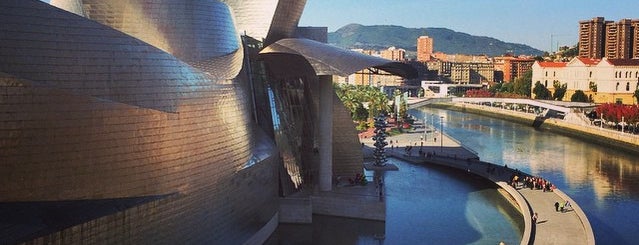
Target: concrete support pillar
x=326, y=133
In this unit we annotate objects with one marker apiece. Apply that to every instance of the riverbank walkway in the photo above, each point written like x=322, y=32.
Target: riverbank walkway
x=552, y=227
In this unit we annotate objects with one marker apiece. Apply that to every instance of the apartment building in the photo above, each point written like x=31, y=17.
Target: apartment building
x=591, y=38
x=374, y=77
x=394, y=54
x=513, y=67
x=618, y=41
x=424, y=48
x=599, y=38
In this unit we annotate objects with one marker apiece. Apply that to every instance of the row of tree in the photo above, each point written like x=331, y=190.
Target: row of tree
x=367, y=102
x=521, y=88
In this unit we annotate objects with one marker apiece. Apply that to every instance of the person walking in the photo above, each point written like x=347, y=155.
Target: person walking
x=534, y=218
x=556, y=206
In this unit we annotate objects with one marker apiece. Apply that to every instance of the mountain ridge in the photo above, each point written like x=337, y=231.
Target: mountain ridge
x=445, y=40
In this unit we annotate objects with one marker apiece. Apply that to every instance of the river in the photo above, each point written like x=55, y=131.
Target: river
x=436, y=205
x=604, y=181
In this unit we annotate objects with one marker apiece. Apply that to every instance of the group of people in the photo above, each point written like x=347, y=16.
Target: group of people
x=532, y=182
x=562, y=207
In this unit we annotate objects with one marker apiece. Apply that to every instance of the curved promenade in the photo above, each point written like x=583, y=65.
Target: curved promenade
x=552, y=227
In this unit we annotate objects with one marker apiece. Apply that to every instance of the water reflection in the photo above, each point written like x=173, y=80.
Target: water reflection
x=425, y=205
x=603, y=180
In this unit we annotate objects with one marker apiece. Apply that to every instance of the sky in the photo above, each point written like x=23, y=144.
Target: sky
x=535, y=23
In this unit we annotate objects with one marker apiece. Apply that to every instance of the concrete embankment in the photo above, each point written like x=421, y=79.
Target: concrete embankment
x=607, y=137
x=553, y=227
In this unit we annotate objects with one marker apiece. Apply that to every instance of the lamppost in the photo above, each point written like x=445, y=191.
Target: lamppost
x=622, y=124
x=432, y=123
x=441, y=133
x=601, y=122
x=425, y=135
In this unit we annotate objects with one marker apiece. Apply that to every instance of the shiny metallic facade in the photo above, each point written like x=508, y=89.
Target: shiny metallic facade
x=132, y=144
x=330, y=60
x=150, y=122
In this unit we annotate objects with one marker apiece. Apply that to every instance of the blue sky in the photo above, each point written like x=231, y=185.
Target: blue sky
x=519, y=21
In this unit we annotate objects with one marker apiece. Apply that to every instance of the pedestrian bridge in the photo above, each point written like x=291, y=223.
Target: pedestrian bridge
x=540, y=108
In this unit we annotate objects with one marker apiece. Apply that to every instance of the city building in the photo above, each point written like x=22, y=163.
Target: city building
x=394, y=54
x=592, y=38
x=162, y=122
x=513, y=67
x=375, y=77
x=600, y=38
x=618, y=40
x=424, y=48
x=602, y=80
x=472, y=72
x=463, y=69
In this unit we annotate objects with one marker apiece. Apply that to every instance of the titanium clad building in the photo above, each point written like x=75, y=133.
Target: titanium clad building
x=156, y=122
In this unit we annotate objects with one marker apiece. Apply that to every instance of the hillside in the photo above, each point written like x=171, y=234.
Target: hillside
x=445, y=40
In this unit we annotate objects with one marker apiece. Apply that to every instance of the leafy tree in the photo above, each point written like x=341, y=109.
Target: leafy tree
x=495, y=88
x=560, y=90
x=361, y=114
x=571, y=52
x=354, y=98
x=523, y=84
x=541, y=92
x=403, y=109
x=618, y=113
x=377, y=101
x=636, y=95
x=579, y=96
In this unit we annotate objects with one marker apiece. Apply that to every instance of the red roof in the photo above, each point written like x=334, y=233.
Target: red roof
x=552, y=64
x=624, y=62
x=589, y=61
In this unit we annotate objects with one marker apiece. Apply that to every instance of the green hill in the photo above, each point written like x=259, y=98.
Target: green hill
x=445, y=40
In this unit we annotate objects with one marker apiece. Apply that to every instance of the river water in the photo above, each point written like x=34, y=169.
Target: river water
x=436, y=205
x=425, y=205
x=604, y=181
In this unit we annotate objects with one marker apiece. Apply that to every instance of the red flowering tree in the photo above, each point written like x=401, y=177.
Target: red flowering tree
x=478, y=93
x=615, y=112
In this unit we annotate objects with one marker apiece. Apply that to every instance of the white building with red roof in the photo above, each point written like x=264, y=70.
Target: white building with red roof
x=602, y=80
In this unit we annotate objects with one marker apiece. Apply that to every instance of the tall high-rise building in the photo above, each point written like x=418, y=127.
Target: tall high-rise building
x=634, y=24
x=424, y=48
x=599, y=38
x=618, y=40
x=591, y=38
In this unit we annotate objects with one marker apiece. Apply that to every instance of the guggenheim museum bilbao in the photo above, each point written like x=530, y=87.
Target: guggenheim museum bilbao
x=166, y=121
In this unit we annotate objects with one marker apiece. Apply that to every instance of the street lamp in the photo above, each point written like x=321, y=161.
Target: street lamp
x=432, y=123
x=425, y=135
x=601, y=122
x=441, y=133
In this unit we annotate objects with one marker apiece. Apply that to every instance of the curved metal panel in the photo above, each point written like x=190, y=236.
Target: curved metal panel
x=73, y=6
x=198, y=32
x=253, y=17
x=287, y=16
x=76, y=130
x=331, y=60
x=94, y=60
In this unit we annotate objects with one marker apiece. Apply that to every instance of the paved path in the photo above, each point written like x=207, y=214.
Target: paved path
x=571, y=227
